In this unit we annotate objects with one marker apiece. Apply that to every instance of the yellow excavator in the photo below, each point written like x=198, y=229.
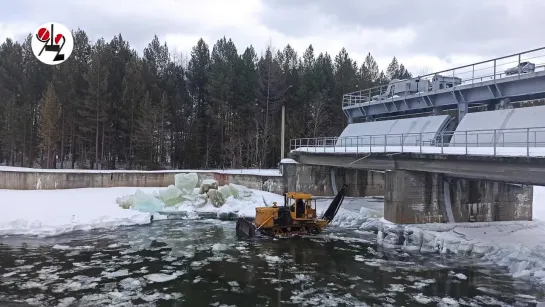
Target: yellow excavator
x=296, y=217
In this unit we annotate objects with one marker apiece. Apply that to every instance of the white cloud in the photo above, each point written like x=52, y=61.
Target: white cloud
x=436, y=38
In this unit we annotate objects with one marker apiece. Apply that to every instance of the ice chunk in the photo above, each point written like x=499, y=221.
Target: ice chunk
x=208, y=184
x=216, y=198
x=225, y=190
x=461, y=276
x=161, y=277
x=186, y=182
x=146, y=203
x=220, y=247
x=130, y=283
x=450, y=301
x=524, y=274
x=67, y=301
x=125, y=202
x=201, y=200
x=240, y=191
x=171, y=195
x=237, y=191
x=370, y=213
x=422, y=299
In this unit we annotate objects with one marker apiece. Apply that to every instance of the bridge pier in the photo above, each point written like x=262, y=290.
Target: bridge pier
x=414, y=197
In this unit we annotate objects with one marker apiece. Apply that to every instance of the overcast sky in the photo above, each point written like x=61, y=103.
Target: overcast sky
x=423, y=34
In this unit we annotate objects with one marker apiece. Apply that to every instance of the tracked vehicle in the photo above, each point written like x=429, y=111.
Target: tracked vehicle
x=297, y=216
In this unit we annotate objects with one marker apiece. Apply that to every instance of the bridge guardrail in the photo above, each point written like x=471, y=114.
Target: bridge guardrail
x=489, y=70
x=515, y=141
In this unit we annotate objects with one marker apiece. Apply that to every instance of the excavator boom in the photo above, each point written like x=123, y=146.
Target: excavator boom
x=331, y=212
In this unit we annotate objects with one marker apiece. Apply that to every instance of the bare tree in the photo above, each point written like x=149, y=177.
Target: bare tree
x=318, y=125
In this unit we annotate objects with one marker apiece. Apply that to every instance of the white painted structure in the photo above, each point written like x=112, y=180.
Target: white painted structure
x=505, y=128
x=406, y=131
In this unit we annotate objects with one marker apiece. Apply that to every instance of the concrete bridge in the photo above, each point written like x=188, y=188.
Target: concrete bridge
x=473, y=166
x=423, y=183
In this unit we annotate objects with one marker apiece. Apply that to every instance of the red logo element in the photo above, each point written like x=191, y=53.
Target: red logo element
x=43, y=35
x=58, y=38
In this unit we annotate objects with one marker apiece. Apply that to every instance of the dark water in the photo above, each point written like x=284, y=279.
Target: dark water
x=201, y=263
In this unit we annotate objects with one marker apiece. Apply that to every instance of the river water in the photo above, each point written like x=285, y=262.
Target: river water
x=181, y=262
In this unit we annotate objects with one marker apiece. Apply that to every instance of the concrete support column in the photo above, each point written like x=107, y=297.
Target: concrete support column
x=463, y=109
x=488, y=201
x=413, y=197
x=289, y=176
x=419, y=197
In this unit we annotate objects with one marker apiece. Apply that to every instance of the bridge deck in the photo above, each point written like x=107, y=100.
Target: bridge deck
x=522, y=142
x=473, y=151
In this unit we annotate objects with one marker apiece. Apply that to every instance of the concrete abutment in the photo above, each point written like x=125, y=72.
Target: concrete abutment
x=413, y=197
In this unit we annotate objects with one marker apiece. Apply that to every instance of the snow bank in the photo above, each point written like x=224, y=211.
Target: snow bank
x=518, y=246
x=288, y=161
x=54, y=212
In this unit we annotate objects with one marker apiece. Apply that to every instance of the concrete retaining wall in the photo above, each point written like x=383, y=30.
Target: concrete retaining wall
x=317, y=180
x=73, y=180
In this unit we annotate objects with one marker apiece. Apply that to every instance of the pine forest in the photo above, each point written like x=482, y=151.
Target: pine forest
x=110, y=107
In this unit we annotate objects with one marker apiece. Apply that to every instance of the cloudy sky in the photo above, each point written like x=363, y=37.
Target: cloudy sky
x=425, y=35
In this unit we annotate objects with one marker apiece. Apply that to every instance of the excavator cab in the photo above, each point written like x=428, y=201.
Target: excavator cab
x=300, y=205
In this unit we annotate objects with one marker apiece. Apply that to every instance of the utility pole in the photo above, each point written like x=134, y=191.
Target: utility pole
x=283, y=131
x=283, y=126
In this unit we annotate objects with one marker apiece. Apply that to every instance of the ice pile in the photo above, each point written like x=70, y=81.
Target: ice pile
x=188, y=194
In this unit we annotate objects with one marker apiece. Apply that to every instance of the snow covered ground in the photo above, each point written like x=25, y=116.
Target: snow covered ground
x=54, y=212
x=262, y=172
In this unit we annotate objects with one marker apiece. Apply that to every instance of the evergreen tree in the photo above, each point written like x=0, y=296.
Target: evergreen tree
x=369, y=73
x=197, y=74
x=270, y=96
x=393, y=69
x=96, y=108
x=49, y=130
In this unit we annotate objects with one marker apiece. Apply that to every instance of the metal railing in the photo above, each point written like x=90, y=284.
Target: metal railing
x=469, y=74
x=493, y=142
